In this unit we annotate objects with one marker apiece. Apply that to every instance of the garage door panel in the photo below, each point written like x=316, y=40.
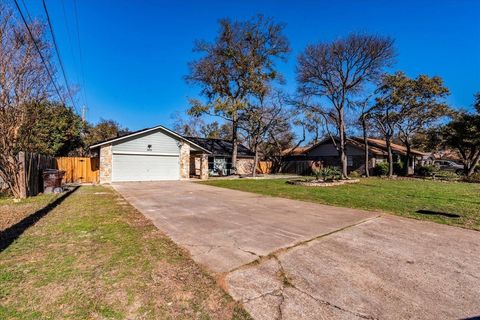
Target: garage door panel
x=129, y=167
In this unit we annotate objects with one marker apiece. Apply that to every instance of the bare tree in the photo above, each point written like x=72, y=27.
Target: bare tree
x=261, y=118
x=365, y=119
x=340, y=70
x=279, y=138
x=23, y=81
x=238, y=65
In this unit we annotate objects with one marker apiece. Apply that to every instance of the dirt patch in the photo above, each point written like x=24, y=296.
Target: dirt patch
x=13, y=212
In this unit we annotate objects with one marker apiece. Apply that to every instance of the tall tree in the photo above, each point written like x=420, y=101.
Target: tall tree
x=197, y=127
x=24, y=81
x=387, y=110
x=51, y=129
x=463, y=134
x=365, y=120
x=340, y=70
x=408, y=106
x=422, y=106
x=103, y=130
x=279, y=137
x=261, y=119
x=238, y=65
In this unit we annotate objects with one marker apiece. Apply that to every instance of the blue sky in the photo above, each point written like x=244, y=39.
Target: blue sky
x=135, y=53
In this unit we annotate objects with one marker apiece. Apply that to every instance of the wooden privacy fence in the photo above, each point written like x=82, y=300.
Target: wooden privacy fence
x=32, y=165
x=79, y=169
x=264, y=167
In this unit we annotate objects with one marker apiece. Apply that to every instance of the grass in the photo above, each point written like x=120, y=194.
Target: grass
x=95, y=257
x=12, y=212
x=443, y=202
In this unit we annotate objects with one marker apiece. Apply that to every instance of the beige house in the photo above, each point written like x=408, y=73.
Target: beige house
x=153, y=154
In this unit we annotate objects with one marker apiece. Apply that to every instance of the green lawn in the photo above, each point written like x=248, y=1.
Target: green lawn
x=401, y=197
x=95, y=257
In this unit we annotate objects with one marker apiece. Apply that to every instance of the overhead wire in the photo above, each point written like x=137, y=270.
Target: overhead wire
x=80, y=53
x=39, y=52
x=57, y=50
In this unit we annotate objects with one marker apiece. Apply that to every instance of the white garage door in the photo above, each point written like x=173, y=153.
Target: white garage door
x=133, y=167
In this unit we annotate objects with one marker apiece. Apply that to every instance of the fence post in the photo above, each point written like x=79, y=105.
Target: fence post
x=22, y=175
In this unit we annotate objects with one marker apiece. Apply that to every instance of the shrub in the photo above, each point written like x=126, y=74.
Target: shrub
x=398, y=168
x=447, y=175
x=355, y=174
x=381, y=169
x=475, y=178
x=317, y=172
x=336, y=173
x=328, y=173
x=426, y=171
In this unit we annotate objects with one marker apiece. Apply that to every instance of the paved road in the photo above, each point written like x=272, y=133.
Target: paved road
x=287, y=259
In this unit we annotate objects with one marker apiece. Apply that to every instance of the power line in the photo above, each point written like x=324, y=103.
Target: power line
x=79, y=75
x=26, y=10
x=58, y=55
x=80, y=51
x=39, y=51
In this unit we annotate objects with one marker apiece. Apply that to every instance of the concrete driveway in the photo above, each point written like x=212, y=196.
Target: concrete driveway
x=287, y=259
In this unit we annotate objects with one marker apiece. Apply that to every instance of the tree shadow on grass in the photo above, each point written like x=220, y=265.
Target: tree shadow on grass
x=438, y=213
x=9, y=235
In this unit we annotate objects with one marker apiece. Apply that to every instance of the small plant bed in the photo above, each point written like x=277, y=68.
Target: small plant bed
x=321, y=183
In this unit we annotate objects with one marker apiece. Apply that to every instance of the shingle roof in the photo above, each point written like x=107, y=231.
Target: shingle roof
x=220, y=147
x=379, y=143
x=375, y=146
x=294, y=151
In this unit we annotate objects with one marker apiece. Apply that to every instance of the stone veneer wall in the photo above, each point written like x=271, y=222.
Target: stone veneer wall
x=106, y=164
x=184, y=161
x=204, y=167
x=245, y=165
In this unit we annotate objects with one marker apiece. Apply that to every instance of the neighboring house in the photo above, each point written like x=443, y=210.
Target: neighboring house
x=326, y=154
x=151, y=154
x=220, y=157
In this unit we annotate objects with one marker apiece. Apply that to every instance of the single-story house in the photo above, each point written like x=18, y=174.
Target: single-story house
x=326, y=154
x=220, y=157
x=153, y=154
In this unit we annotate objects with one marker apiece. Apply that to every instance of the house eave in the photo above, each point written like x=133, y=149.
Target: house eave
x=111, y=141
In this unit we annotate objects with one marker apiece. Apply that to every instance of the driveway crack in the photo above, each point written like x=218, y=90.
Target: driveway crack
x=286, y=282
x=297, y=244
x=357, y=314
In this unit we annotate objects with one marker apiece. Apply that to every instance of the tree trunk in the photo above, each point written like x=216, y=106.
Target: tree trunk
x=255, y=161
x=473, y=165
x=388, y=141
x=234, y=145
x=343, y=156
x=365, y=142
x=409, y=154
x=13, y=174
